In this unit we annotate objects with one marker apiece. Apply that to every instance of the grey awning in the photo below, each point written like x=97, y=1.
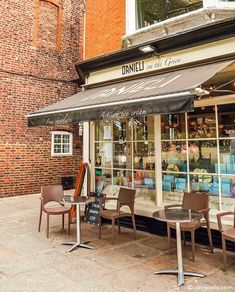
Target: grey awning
x=171, y=92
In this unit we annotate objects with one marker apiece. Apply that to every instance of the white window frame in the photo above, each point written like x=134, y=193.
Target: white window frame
x=218, y=4
x=53, y=143
x=131, y=11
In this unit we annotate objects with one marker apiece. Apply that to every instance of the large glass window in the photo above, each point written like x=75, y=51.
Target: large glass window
x=125, y=155
x=197, y=154
x=153, y=11
x=202, y=158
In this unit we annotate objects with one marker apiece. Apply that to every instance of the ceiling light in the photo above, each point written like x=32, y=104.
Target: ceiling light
x=147, y=49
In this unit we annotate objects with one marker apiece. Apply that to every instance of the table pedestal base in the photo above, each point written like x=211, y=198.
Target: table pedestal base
x=76, y=244
x=180, y=275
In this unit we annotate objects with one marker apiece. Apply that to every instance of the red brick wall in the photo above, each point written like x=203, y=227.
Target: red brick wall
x=36, y=69
x=105, y=26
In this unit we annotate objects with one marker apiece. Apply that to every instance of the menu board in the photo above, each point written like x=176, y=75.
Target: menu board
x=92, y=213
x=92, y=210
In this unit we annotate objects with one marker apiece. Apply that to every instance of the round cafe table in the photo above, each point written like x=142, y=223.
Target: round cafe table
x=178, y=216
x=77, y=201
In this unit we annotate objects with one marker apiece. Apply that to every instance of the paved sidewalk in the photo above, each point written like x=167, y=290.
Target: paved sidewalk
x=31, y=262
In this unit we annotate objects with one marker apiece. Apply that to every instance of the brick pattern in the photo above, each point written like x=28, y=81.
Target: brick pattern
x=105, y=26
x=32, y=77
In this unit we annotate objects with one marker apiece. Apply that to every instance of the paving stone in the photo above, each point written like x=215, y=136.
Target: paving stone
x=31, y=262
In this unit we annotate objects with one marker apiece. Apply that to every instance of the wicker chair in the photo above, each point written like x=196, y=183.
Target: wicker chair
x=126, y=197
x=227, y=234
x=198, y=202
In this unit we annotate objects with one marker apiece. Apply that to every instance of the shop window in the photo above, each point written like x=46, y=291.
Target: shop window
x=203, y=159
x=103, y=154
x=143, y=128
x=61, y=144
x=103, y=181
x=173, y=126
x=174, y=156
x=202, y=156
x=201, y=123
x=122, y=130
x=226, y=118
x=124, y=148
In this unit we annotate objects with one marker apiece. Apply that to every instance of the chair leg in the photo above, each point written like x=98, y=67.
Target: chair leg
x=62, y=221
x=40, y=220
x=99, y=227
x=169, y=236
x=119, y=227
x=134, y=226
x=209, y=233
x=47, y=225
x=193, y=243
x=69, y=223
x=184, y=237
x=224, y=252
x=113, y=227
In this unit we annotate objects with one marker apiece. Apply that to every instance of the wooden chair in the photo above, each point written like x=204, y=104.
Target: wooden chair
x=227, y=234
x=53, y=193
x=126, y=197
x=78, y=187
x=198, y=202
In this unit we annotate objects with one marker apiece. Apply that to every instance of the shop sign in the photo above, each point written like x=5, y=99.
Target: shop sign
x=59, y=120
x=144, y=66
x=122, y=114
x=227, y=204
x=210, y=51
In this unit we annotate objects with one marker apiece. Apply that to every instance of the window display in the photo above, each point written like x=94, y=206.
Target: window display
x=174, y=156
x=144, y=155
x=227, y=157
x=122, y=178
x=201, y=124
x=202, y=155
x=143, y=128
x=103, y=154
x=144, y=183
x=129, y=154
x=197, y=154
x=173, y=126
x=226, y=120
x=122, y=155
x=103, y=131
x=195, y=159
x=122, y=130
x=103, y=181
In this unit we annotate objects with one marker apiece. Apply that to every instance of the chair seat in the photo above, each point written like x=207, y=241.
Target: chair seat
x=113, y=213
x=57, y=210
x=229, y=234
x=186, y=226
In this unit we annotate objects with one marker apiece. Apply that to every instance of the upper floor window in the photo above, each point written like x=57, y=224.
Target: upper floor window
x=61, y=143
x=142, y=13
x=153, y=11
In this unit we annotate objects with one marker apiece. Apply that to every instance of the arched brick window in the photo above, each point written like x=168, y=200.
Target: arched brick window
x=48, y=22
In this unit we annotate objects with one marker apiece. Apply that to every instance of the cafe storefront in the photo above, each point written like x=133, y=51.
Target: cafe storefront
x=163, y=124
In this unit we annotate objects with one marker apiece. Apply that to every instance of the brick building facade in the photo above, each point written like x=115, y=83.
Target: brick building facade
x=39, y=44
x=105, y=26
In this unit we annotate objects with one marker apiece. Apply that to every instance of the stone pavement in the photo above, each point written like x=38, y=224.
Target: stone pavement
x=31, y=262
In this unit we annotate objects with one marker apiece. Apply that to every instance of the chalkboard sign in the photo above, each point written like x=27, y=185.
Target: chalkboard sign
x=92, y=210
